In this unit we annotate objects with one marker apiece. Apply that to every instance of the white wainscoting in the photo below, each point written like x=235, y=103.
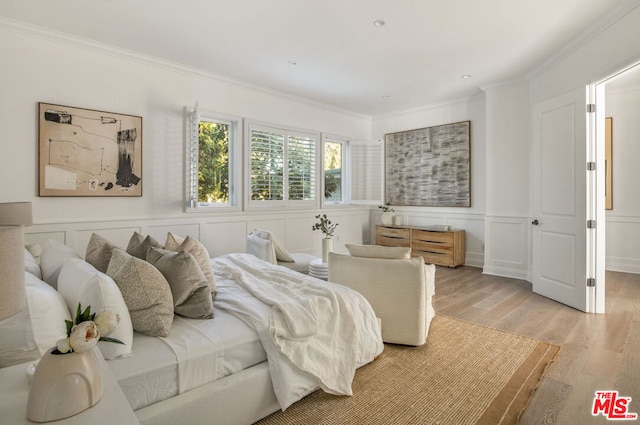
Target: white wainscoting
x=221, y=234
x=472, y=224
x=507, y=246
x=622, y=250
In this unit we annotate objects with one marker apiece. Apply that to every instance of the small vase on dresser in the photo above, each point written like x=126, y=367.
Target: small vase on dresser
x=64, y=385
x=387, y=218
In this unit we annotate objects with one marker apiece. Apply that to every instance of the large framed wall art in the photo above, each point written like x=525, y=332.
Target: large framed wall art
x=429, y=167
x=83, y=152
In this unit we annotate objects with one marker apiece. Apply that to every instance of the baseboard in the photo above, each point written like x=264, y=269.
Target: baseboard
x=504, y=272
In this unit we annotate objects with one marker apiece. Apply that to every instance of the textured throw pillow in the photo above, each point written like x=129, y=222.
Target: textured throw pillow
x=54, y=255
x=195, y=248
x=189, y=287
x=145, y=291
x=31, y=265
x=98, y=252
x=378, y=251
x=138, y=245
x=28, y=334
x=80, y=282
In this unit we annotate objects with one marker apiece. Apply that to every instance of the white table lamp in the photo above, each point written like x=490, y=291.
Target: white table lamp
x=13, y=216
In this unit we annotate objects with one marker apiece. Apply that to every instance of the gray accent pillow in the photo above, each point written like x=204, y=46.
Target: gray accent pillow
x=138, y=245
x=190, y=288
x=98, y=252
x=199, y=251
x=145, y=291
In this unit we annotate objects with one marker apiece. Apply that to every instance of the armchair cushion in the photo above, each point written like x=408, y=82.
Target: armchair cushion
x=379, y=251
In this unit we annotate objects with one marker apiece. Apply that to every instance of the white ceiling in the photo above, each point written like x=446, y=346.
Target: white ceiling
x=418, y=58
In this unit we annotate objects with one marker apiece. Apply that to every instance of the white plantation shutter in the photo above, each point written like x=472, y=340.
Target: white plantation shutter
x=267, y=165
x=192, y=160
x=302, y=168
x=283, y=167
x=367, y=171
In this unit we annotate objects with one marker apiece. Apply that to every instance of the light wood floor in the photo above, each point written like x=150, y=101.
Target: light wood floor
x=599, y=352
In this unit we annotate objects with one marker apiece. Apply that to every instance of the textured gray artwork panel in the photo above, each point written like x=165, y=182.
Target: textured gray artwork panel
x=429, y=166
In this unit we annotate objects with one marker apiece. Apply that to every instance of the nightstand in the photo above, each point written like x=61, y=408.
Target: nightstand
x=113, y=408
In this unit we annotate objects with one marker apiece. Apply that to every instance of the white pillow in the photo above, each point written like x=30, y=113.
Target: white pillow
x=31, y=265
x=379, y=251
x=80, y=282
x=261, y=248
x=27, y=335
x=281, y=253
x=54, y=255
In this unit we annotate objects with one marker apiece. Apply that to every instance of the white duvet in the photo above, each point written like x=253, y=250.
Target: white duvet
x=315, y=333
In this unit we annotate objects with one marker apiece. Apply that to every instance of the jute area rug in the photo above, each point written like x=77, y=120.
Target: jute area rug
x=465, y=374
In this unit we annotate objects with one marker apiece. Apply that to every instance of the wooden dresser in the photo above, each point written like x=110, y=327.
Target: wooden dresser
x=444, y=248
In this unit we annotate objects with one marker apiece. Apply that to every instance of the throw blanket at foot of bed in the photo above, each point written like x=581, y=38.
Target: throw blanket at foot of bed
x=315, y=333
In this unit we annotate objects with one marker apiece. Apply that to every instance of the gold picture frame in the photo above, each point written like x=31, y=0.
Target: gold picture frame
x=85, y=152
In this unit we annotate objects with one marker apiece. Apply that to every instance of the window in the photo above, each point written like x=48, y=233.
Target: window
x=282, y=167
x=212, y=161
x=334, y=160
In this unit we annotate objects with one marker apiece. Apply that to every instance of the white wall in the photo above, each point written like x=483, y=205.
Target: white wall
x=623, y=221
x=507, y=227
x=470, y=219
x=49, y=67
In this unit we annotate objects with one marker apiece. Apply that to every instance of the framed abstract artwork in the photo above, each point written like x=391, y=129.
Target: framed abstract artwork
x=84, y=152
x=429, y=167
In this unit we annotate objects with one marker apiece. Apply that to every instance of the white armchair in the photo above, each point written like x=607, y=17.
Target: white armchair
x=399, y=288
x=263, y=245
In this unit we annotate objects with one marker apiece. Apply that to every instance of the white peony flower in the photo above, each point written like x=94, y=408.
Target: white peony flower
x=63, y=345
x=84, y=336
x=106, y=322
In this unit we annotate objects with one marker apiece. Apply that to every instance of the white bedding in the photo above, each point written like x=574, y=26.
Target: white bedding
x=196, y=352
x=315, y=333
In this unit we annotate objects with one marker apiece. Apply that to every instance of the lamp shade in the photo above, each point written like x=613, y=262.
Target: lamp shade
x=13, y=215
x=16, y=214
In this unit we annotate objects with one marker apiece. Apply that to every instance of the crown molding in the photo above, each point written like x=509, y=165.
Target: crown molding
x=614, y=14
x=145, y=59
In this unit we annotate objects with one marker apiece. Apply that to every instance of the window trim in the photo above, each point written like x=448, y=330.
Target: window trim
x=251, y=205
x=194, y=116
x=345, y=180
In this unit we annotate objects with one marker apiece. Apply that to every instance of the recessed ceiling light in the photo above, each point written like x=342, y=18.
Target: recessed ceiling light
x=385, y=97
x=292, y=63
x=379, y=23
x=466, y=76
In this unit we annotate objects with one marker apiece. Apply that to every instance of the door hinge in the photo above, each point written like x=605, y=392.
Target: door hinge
x=591, y=107
x=591, y=166
x=591, y=282
x=591, y=224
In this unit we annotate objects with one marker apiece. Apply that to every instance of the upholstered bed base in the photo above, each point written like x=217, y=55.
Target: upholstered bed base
x=241, y=398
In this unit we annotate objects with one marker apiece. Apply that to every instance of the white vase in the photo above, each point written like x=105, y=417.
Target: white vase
x=64, y=385
x=387, y=218
x=326, y=249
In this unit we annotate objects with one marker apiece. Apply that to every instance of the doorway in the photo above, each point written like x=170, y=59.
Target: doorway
x=617, y=97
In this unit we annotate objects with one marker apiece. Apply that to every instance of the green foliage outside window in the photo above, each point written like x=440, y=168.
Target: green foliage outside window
x=213, y=162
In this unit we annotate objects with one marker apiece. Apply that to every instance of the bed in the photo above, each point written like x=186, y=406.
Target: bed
x=276, y=336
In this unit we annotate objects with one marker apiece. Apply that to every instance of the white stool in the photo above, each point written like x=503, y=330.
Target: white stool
x=318, y=269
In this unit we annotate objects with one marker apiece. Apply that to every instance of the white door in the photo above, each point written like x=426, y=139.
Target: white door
x=559, y=203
